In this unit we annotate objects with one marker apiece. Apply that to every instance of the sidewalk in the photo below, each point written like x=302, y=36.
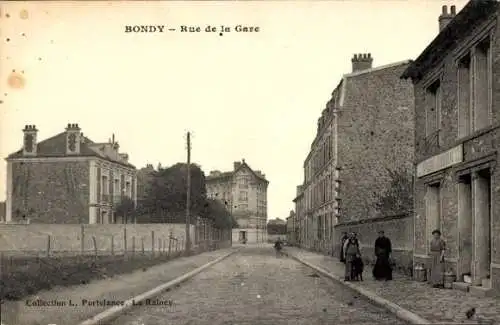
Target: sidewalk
x=118, y=288
x=434, y=305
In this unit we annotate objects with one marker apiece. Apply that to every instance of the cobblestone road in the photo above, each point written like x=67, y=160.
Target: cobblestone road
x=255, y=287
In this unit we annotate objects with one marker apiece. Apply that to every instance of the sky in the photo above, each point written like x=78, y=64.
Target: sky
x=254, y=96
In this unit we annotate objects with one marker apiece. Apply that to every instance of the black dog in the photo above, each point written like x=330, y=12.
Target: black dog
x=357, y=269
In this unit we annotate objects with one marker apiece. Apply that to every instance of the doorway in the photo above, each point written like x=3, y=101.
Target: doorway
x=243, y=236
x=481, y=196
x=465, y=231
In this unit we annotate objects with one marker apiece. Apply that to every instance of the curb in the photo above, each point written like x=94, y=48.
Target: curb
x=399, y=311
x=111, y=313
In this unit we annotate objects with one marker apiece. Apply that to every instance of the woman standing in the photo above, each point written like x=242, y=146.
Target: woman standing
x=438, y=247
x=351, y=252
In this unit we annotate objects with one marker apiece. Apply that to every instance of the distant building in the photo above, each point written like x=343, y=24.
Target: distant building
x=2, y=211
x=300, y=220
x=244, y=193
x=457, y=142
x=292, y=229
x=67, y=179
x=364, y=143
x=145, y=177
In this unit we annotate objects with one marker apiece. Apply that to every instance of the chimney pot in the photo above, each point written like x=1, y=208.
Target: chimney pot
x=445, y=10
x=453, y=10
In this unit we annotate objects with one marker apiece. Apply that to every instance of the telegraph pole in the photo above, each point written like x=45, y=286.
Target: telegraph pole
x=188, y=194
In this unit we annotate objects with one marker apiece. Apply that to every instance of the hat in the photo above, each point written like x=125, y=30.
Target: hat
x=436, y=231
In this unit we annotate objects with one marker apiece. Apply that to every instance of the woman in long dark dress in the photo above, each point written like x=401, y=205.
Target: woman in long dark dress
x=438, y=248
x=342, y=243
x=383, y=249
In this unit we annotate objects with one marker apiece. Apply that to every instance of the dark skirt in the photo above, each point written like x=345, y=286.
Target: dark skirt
x=382, y=268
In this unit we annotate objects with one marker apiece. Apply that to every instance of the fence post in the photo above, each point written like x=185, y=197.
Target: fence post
x=142, y=244
x=125, y=239
x=112, y=245
x=133, y=245
x=169, y=245
x=94, y=241
x=82, y=236
x=152, y=243
x=164, y=245
x=48, y=245
x=159, y=246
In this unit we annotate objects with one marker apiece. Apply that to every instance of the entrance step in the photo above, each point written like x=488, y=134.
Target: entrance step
x=486, y=283
x=462, y=286
x=481, y=291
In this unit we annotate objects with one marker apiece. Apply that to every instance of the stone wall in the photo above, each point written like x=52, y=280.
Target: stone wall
x=33, y=238
x=399, y=229
x=375, y=136
x=50, y=192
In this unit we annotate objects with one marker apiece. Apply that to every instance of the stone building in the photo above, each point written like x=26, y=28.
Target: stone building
x=457, y=137
x=244, y=192
x=363, y=145
x=67, y=179
x=300, y=224
x=292, y=229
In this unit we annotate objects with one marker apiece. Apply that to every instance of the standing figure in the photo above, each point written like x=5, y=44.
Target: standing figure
x=351, y=253
x=342, y=243
x=438, y=248
x=383, y=249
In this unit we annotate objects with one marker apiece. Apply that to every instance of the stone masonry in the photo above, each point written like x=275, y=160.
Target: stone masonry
x=50, y=192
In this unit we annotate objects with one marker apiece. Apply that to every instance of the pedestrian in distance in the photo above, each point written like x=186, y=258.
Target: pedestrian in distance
x=438, y=249
x=382, y=269
x=342, y=242
x=352, y=253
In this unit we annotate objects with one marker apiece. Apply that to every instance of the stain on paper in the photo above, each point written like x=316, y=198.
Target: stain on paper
x=16, y=80
x=23, y=14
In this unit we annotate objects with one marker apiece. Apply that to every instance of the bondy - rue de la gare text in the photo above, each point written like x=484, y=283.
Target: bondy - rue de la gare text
x=190, y=29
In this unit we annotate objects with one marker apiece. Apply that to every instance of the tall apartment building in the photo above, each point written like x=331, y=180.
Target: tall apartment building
x=244, y=193
x=364, y=138
x=67, y=179
x=457, y=137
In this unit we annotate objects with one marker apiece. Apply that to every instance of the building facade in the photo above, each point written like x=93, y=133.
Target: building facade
x=244, y=193
x=145, y=177
x=364, y=142
x=292, y=229
x=300, y=219
x=457, y=87
x=67, y=179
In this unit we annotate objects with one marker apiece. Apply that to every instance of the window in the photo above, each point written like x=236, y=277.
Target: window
x=320, y=227
x=128, y=189
x=475, y=89
x=433, y=109
x=482, y=85
x=464, y=96
x=104, y=185
x=243, y=196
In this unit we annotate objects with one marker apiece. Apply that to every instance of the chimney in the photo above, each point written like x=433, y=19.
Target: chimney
x=361, y=62
x=237, y=165
x=73, y=139
x=29, y=140
x=445, y=17
x=124, y=157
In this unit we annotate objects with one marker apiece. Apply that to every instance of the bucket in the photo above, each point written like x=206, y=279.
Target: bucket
x=420, y=274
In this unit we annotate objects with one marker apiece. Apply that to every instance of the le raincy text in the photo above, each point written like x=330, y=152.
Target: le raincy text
x=191, y=29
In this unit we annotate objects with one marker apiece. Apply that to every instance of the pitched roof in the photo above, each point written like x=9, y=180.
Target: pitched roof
x=56, y=147
x=231, y=174
x=474, y=12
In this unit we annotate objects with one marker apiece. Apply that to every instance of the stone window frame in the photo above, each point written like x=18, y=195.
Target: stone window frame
x=435, y=179
x=437, y=75
x=479, y=35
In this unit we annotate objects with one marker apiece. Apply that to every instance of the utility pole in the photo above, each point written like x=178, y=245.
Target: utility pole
x=188, y=194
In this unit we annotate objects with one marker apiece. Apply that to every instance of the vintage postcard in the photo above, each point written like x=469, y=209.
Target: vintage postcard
x=249, y=162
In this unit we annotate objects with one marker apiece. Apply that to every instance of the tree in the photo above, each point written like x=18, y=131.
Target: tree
x=166, y=197
x=217, y=212
x=398, y=198
x=126, y=209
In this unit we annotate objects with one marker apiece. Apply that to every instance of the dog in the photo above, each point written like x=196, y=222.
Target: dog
x=357, y=269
